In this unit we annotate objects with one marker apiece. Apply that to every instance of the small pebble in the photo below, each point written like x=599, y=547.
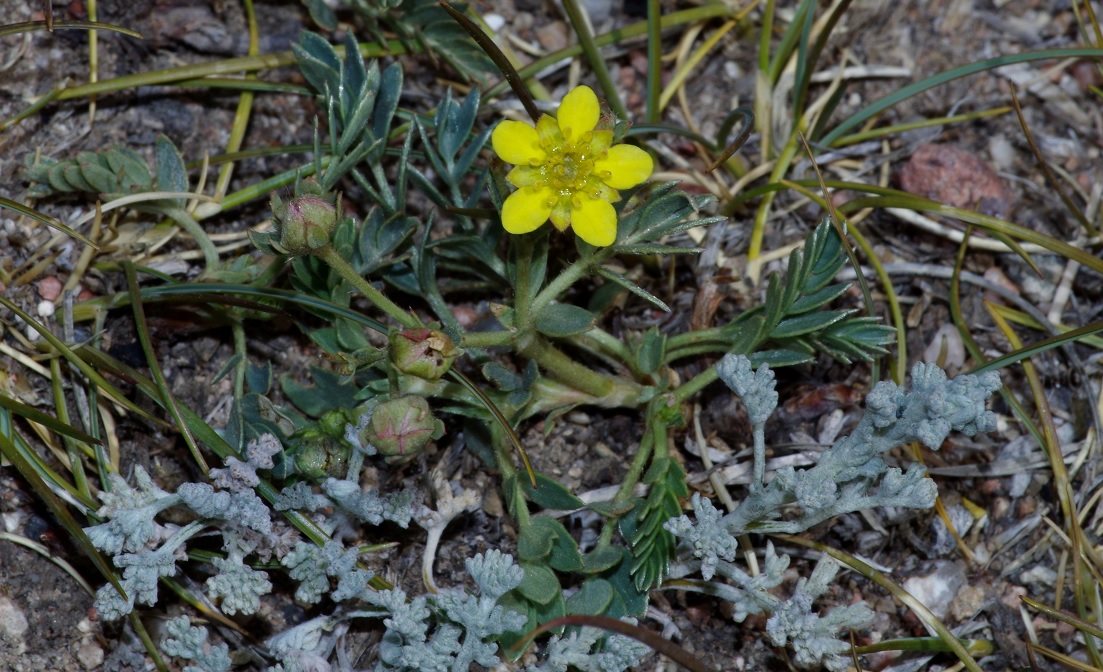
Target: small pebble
x=553, y=36
x=937, y=589
x=90, y=655
x=1039, y=577
x=494, y=22
x=1002, y=151
x=578, y=418
x=49, y=287
x=46, y=308
x=968, y=602
x=13, y=624
x=956, y=177
x=946, y=348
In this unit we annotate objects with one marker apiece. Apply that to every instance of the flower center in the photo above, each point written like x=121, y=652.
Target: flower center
x=570, y=169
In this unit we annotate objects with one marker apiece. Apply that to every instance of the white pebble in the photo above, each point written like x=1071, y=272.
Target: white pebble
x=494, y=22
x=45, y=308
x=1002, y=151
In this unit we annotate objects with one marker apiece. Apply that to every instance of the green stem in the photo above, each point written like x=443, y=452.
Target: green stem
x=502, y=453
x=654, y=61
x=635, y=469
x=72, y=450
x=186, y=222
x=237, y=329
x=346, y=271
x=708, y=348
x=608, y=391
x=564, y=280
x=679, y=341
x=602, y=343
x=658, y=429
x=695, y=384
x=486, y=339
x=522, y=284
x=593, y=55
x=624, y=493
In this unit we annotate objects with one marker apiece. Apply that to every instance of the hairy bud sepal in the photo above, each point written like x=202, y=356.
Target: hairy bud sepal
x=421, y=352
x=302, y=225
x=400, y=428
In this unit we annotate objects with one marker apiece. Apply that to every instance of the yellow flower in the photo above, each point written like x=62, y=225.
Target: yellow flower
x=568, y=170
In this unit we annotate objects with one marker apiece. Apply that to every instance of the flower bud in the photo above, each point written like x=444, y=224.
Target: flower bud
x=425, y=353
x=320, y=449
x=318, y=456
x=401, y=428
x=303, y=224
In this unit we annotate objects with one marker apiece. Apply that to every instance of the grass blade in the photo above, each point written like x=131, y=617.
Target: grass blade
x=950, y=75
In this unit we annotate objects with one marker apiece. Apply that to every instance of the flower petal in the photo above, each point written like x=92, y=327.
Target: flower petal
x=595, y=221
x=624, y=166
x=601, y=141
x=547, y=128
x=525, y=176
x=526, y=209
x=561, y=213
x=578, y=113
x=517, y=142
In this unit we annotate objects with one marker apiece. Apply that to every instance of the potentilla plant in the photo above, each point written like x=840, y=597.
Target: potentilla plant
x=541, y=350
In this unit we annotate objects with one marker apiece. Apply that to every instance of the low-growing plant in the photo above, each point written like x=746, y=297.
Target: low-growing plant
x=443, y=220
x=542, y=355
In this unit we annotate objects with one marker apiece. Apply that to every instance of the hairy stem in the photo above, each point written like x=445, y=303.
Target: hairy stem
x=346, y=271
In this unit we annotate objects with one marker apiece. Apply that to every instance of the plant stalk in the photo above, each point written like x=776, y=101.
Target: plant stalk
x=346, y=271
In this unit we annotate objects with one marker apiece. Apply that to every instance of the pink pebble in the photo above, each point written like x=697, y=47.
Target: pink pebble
x=49, y=288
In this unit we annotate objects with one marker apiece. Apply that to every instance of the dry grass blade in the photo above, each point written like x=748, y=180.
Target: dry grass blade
x=1051, y=179
x=14, y=28
x=45, y=219
x=1082, y=591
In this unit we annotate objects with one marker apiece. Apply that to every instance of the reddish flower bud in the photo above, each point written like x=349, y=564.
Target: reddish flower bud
x=425, y=353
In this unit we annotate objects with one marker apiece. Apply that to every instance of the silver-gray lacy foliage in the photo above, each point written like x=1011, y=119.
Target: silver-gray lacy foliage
x=447, y=631
x=849, y=476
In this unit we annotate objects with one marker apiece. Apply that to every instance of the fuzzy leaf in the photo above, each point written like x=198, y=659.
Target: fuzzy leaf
x=593, y=598
x=562, y=320
x=172, y=175
x=632, y=287
x=549, y=494
x=539, y=584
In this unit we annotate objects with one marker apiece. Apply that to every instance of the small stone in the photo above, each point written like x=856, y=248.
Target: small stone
x=49, y=288
x=937, y=589
x=45, y=308
x=956, y=177
x=553, y=36
x=1086, y=74
x=1039, y=577
x=494, y=21
x=599, y=10
x=969, y=601
x=90, y=654
x=1002, y=151
x=996, y=276
x=1012, y=596
x=13, y=624
x=578, y=418
x=946, y=349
